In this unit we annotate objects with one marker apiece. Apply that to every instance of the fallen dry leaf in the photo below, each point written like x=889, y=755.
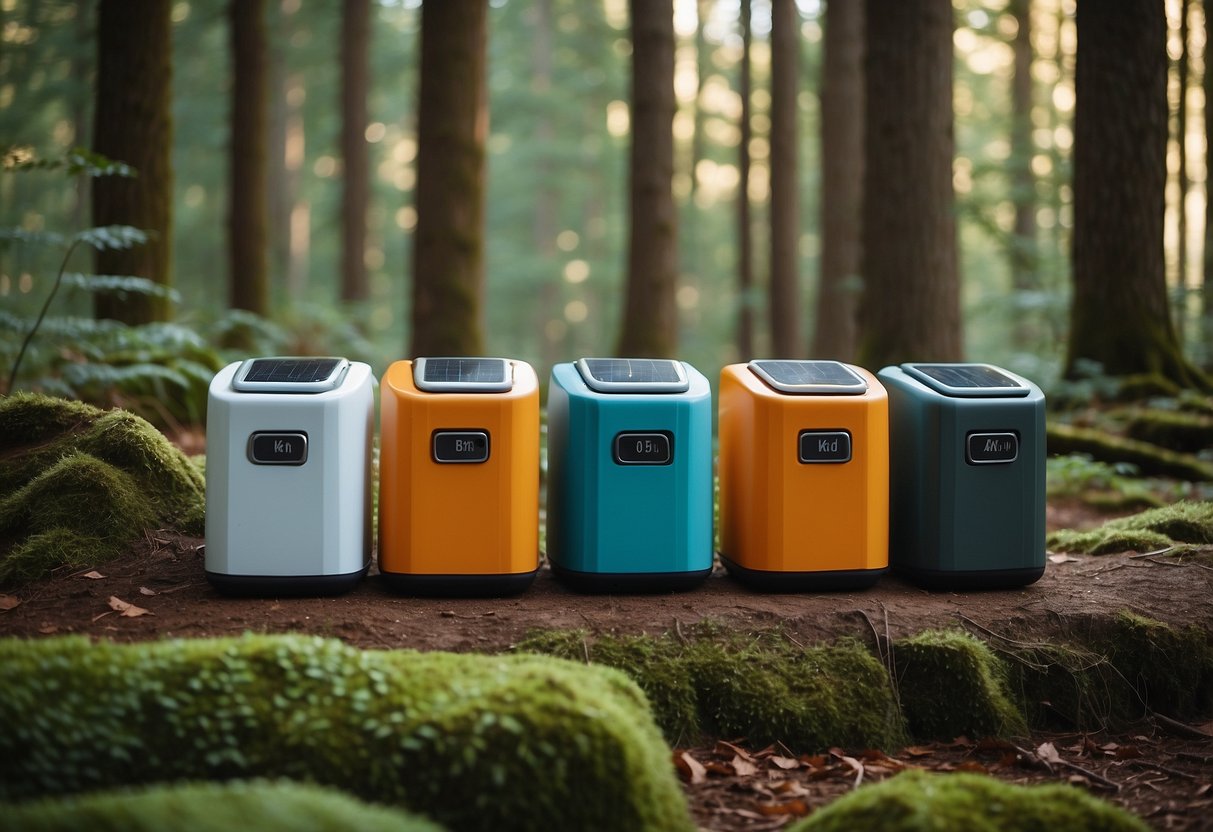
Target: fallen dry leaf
x=145, y=591
x=127, y=609
x=794, y=808
x=919, y=751
x=691, y=769
x=973, y=766
x=9, y=602
x=723, y=748
x=790, y=788
x=743, y=767
x=1203, y=790
x=717, y=767
x=1062, y=559
x=1048, y=753
x=48, y=629
x=785, y=763
x=93, y=576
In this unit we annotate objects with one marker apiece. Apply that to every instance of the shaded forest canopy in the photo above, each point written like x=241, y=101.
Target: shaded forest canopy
x=556, y=203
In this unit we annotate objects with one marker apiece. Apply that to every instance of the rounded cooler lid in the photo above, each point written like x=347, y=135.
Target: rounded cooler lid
x=968, y=381
x=819, y=378
x=634, y=375
x=463, y=375
x=290, y=374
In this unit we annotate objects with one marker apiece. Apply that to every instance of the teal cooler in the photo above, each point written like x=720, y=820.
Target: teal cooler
x=967, y=473
x=629, y=506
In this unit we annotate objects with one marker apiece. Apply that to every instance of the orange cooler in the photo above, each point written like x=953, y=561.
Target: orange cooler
x=459, y=476
x=804, y=475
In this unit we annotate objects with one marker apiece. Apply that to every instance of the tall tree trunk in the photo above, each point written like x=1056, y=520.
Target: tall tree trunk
x=650, y=317
x=784, y=299
x=543, y=230
x=1181, y=134
x=248, y=214
x=1119, y=315
x=693, y=247
x=910, y=307
x=355, y=193
x=841, y=180
x=1023, y=182
x=133, y=123
x=452, y=122
x=745, y=235
x=1206, y=286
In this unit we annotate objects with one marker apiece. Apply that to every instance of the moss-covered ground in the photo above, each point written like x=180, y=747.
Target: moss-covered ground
x=211, y=807
x=475, y=742
x=78, y=485
x=1184, y=522
x=919, y=802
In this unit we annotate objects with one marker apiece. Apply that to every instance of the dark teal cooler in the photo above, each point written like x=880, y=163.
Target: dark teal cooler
x=967, y=475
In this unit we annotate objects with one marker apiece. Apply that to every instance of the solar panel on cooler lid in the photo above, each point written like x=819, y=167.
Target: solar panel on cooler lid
x=290, y=370
x=463, y=375
x=829, y=377
x=967, y=376
x=639, y=375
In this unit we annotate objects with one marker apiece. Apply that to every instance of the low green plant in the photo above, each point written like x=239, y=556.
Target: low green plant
x=474, y=742
x=256, y=806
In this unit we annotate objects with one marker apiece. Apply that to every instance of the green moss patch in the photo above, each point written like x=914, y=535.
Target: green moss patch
x=212, y=807
x=474, y=742
x=914, y=801
x=1170, y=668
x=1183, y=522
x=1174, y=429
x=82, y=484
x=765, y=689
x=952, y=684
x=1150, y=459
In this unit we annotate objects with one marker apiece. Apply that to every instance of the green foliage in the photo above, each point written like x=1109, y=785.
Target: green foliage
x=766, y=690
x=256, y=806
x=1101, y=484
x=919, y=802
x=475, y=742
x=952, y=684
x=1159, y=528
x=80, y=485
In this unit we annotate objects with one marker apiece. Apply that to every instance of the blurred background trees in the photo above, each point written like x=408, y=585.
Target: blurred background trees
x=400, y=218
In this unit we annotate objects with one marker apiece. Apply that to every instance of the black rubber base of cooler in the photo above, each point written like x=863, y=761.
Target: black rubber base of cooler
x=979, y=579
x=458, y=586
x=629, y=583
x=278, y=586
x=769, y=580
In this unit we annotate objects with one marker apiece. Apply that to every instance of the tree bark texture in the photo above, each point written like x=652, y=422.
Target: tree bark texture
x=452, y=122
x=248, y=208
x=133, y=123
x=841, y=181
x=1119, y=315
x=910, y=306
x=1023, y=182
x=355, y=193
x=650, y=317
x=1181, y=137
x=745, y=235
x=1206, y=296
x=785, y=308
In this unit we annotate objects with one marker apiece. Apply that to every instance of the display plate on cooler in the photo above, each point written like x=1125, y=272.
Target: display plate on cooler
x=831, y=378
x=463, y=375
x=290, y=375
x=634, y=375
x=967, y=380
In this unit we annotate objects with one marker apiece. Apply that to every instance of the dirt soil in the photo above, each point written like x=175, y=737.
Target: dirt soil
x=1166, y=780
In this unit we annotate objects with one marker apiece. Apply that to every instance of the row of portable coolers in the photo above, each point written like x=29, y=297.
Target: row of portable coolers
x=818, y=463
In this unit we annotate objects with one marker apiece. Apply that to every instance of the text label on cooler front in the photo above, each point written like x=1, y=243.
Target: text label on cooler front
x=644, y=448
x=825, y=446
x=991, y=447
x=460, y=446
x=277, y=448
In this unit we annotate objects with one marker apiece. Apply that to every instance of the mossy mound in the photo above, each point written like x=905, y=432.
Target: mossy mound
x=1174, y=429
x=1171, y=669
x=1183, y=522
x=914, y=801
x=952, y=684
x=1150, y=459
x=212, y=807
x=765, y=690
x=81, y=484
x=475, y=742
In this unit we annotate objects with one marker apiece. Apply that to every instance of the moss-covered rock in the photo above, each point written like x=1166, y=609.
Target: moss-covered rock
x=1183, y=522
x=475, y=742
x=256, y=806
x=919, y=802
x=764, y=689
x=1106, y=447
x=952, y=684
x=80, y=484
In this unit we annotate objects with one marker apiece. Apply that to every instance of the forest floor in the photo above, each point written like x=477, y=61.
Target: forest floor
x=1162, y=772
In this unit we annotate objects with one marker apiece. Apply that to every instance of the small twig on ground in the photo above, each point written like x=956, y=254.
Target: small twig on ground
x=789, y=637
x=1156, y=552
x=1181, y=728
x=875, y=635
x=678, y=632
x=1098, y=778
x=1159, y=767
x=1033, y=759
x=585, y=649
